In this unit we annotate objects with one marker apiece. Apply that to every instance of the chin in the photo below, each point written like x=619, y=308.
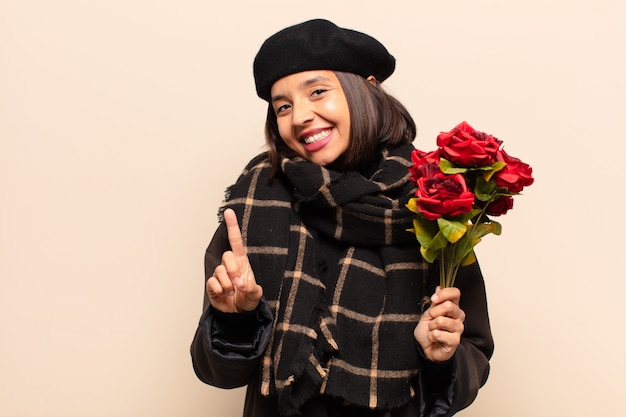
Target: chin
x=336, y=164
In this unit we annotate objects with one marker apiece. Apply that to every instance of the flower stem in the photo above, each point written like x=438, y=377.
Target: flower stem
x=447, y=268
x=447, y=271
x=442, y=268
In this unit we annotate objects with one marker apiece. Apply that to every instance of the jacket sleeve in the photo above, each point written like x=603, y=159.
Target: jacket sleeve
x=227, y=347
x=449, y=387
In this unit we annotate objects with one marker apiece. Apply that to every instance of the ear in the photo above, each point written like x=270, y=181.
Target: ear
x=372, y=80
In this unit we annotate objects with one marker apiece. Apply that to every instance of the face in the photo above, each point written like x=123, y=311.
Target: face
x=312, y=115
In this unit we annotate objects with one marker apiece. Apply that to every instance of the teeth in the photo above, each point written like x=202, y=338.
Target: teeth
x=318, y=136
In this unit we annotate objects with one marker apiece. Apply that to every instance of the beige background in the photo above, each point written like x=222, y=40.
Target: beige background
x=122, y=121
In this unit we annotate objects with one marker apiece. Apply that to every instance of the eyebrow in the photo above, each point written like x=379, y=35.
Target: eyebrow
x=305, y=83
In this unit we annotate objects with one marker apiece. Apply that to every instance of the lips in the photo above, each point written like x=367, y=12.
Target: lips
x=315, y=137
x=317, y=140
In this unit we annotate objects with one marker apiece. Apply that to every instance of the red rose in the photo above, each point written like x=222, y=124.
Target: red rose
x=425, y=164
x=515, y=175
x=465, y=146
x=443, y=195
x=500, y=206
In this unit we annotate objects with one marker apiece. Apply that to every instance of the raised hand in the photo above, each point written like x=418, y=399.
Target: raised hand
x=232, y=287
x=441, y=326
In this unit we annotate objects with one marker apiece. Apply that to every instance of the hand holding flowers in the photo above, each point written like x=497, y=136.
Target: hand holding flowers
x=466, y=179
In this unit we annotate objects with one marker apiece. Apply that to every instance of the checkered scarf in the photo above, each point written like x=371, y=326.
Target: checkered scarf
x=351, y=337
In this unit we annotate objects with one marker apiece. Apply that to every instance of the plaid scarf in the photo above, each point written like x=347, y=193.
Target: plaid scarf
x=349, y=335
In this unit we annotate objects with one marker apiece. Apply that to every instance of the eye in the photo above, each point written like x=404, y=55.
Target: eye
x=318, y=92
x=282, y=108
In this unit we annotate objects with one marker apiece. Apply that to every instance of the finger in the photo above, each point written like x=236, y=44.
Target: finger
x=213, y=287
x=224, y=279
x=447, y=342
x=234, y=233
x=251, y=288
x=446, y=324
x=243, y=279
x=447, y=294
x=236, y=270
x=249, y=296
x=447, y=309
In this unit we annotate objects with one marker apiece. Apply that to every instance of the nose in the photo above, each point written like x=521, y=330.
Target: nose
x=302, y=112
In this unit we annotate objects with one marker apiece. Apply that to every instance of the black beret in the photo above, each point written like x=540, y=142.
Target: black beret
x=319, y=45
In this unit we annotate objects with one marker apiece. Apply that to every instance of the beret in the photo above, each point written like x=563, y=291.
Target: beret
x=319, y=44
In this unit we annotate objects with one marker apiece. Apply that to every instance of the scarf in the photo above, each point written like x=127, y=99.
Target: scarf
x=349, y=335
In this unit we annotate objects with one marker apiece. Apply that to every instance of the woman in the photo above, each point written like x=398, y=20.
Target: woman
x=317, y=297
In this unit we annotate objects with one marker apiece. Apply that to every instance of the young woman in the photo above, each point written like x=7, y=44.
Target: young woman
x=317, y=297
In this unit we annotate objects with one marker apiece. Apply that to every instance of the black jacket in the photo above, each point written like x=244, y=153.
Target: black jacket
x=227, y=349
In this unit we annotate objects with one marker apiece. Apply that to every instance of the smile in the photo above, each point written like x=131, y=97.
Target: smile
x=316, y=137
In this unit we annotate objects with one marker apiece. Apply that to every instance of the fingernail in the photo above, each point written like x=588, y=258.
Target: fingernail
x=434, y=298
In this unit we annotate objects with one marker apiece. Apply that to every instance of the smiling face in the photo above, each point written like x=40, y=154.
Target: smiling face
x=312, y=115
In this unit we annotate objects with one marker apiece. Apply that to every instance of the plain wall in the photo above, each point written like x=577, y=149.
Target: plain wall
x=122, y=121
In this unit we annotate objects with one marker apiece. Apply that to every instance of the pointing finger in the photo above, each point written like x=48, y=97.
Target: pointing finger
x=234, y=233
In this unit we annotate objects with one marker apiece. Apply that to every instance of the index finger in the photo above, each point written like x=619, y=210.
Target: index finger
x=234, y=233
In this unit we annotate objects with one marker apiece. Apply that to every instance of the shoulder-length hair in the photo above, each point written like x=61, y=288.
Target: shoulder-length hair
x=377, y=120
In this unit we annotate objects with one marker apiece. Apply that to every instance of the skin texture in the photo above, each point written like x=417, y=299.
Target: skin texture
x=232, y=288
x=307, y=104
x=312, y=103
x=440, y=327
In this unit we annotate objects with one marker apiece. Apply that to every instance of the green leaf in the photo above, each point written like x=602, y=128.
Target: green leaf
x=481, y=168
x=481, y=229
x=462, y=248
x=465, y=218
x=429, y=256
x=469, y=259
x=484, y=190
x=497, y=228
x=424, y=230
x=493, y=168
x=412, y=205
x=439, y=242
x=448, y=167
x=432, y=251
x=452, y=230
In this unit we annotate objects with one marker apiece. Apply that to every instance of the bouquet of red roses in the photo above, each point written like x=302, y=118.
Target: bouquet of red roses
x=468, y=178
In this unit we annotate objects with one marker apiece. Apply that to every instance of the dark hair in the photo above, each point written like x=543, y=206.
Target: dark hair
x=377, y=120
